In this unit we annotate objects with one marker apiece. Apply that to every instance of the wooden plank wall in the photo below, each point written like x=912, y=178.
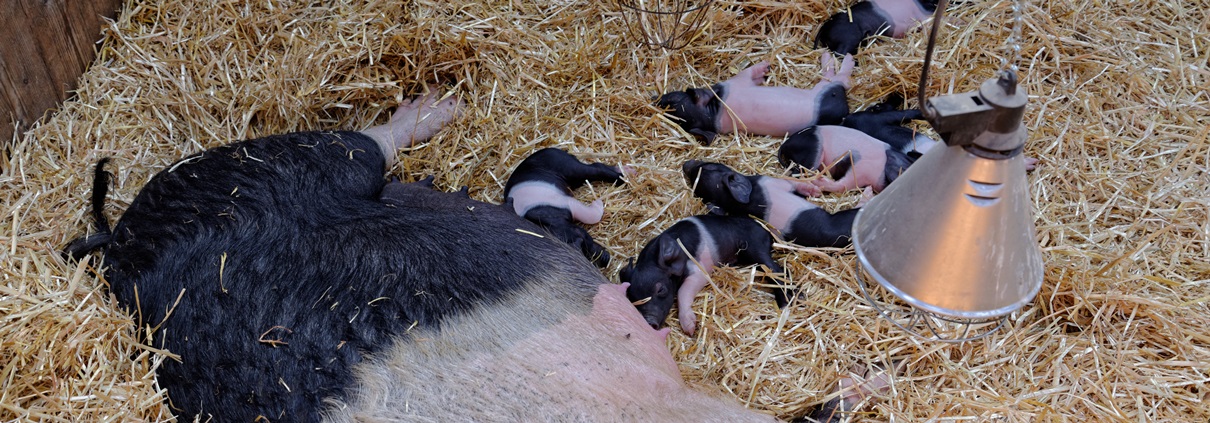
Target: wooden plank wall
x=45, y=45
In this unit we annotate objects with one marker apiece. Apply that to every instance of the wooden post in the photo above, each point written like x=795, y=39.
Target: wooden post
x=45, y=45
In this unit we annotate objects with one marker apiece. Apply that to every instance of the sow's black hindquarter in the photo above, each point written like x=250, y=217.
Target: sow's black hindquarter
x=289, y=269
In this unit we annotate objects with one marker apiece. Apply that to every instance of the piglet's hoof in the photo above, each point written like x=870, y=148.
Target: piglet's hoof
x=866, y=195
x=756, y=73
x=688, y=322
x=627, y=171
x=841, y=73
x=590, y=214
x=850, y=391
x=1031, y=163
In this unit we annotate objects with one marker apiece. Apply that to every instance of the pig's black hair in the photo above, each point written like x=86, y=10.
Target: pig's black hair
x=83, y=245
x=694, y=119
x=273, y=267
x=833, y=105
x=884, y=121
x=803, y=148
x=818, y=228
x=725, y=191
x=896, y=164
x=558, y=222
x=845, y=32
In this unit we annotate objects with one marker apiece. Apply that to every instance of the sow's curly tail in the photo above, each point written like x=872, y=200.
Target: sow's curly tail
x=81, y=246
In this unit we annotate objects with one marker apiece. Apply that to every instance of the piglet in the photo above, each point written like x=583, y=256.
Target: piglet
x=778, y=201
x=845, y=31
x=852, y=158
x=851, y=390
x=540, y=191
x=874, y=142
x=663, y=267
x=885, y=122
x=742, y=105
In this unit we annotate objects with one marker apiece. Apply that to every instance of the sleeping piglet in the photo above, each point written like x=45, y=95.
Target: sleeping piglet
x=885, y=122
x=741, y=104
x=663, y=267
x=540, y=191
x=778, y=201
x=871, y=149
x=845, y=31
x=852, y=158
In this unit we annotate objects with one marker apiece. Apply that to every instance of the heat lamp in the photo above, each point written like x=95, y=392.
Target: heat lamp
x=953, y=237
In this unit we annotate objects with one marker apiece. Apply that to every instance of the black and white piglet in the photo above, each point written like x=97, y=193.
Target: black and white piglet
x=540, y=191
x=871, y=149
x=844, y=32
x=778, y=201
x=885, y=122
x=743, y=105
x=664, y=268
x=851, y=158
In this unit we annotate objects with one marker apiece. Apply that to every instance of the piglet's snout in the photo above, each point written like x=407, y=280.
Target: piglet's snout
x=651, y=321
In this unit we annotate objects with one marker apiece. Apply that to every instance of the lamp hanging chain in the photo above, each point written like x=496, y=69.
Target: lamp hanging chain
x=938, y=16
x=1009, y=61
x=1007, y=65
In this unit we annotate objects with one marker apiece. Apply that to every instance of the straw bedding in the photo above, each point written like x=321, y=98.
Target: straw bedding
x=1117, y=115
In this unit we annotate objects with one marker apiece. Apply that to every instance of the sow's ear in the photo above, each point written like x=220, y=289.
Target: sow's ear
x=671, y=259
x=739, y=187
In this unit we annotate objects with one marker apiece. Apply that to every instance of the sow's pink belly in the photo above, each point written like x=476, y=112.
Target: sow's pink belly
x=606, y=365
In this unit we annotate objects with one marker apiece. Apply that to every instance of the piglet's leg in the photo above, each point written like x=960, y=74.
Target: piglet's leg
x=414, y=120
x=1030, y=163
x=587, y=214
x=752, y=76
x=848, y=182
x=843, y=75
x=805, y=189
x=866, y=195
x=694, y=283
x=850, y=391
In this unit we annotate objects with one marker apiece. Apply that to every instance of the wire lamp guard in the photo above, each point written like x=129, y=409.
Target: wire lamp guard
x=670, y=24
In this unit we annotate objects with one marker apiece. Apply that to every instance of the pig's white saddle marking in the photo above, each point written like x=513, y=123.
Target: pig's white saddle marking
x=530, y=194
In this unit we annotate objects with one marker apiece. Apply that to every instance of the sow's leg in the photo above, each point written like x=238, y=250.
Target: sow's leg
x=414, y=120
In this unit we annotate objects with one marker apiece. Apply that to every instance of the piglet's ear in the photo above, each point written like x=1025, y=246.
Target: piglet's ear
x=626, y=273
x=671, y=259
x=739, y=187
x=703, y=136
